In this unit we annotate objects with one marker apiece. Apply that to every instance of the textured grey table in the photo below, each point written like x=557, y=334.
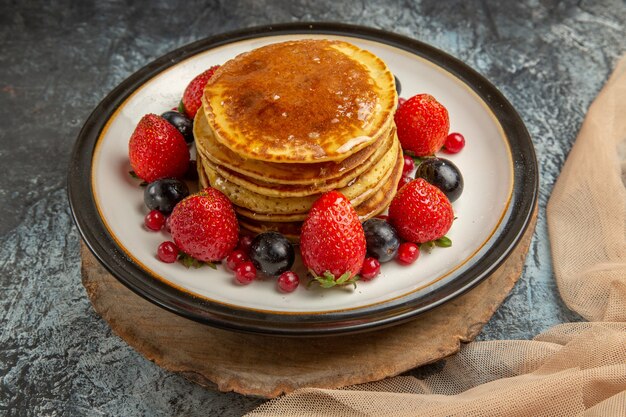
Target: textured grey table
x=57, y=357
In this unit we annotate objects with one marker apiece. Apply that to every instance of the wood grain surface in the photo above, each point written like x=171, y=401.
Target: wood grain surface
x=268, y=366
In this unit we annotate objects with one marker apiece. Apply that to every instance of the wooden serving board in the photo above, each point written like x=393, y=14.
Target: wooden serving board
x=268, y=366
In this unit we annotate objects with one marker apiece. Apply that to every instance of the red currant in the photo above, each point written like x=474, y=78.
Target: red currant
x=408, y=252
x=454, y=143
x=244, y=243
x=401, y=101
x=370, y=269
x=167, y=224
x=167, y=252
x=245, y=273
x=404, y=181
x=409, y=165
x=288, y=281
x=155, y=220
x=235, y=258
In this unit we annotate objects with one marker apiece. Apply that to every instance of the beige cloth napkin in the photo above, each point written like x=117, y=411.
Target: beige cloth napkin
x=576, y=369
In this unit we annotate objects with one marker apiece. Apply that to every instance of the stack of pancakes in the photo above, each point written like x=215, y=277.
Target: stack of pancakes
x=284, y=123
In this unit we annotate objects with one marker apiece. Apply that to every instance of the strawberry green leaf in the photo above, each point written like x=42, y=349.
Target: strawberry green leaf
x=327, y=279
x=134, y=175
x=342, y=279
x=443, y=242
x=181, y=108
x=189, y=262
x=143, y=184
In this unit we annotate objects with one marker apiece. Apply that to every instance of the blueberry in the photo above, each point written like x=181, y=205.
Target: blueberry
x=382, y=239
x=443, y=174
x=164, y=194
x=181, y=122
x=272, y=253
x=398, y=85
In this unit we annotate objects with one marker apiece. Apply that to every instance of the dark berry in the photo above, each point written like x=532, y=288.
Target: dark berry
x=155, y=220
x=454, y=143
x=398, y=85
x=381, y=239
x=404, y=181
x=408, y=252
x=235, y=258
x=272, y=253
x=167, y=252
x=192, y=171
x=443, y=174
x=244, y=243
x=245, y=273
x=409, y=164
x=370, y=269
x=181, y=122
x=164, y=194
x=288, y=281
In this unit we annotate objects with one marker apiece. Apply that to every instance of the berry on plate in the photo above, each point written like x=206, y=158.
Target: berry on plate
x=167, y=252
x=421, y=212
x=454, y=143
x=245, y=273
x=422, y=125
x=181, y=122
x=381, y=238
x=443, y=174
x=370, y=269
x=332, y=241
x=408, y=253
x=192, y=97
x=164, y=194
x=204, y=226
x=244, y=243
x=288, y=281
x=155, y=220
x=409, y=165
x=404, y=180
x=156, y=150
x=235, y=258
x=272, y=253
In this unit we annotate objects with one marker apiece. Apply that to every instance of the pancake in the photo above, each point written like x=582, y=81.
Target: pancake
x=293, y=190
x=270, y=172
x=301, y=101
x=358, y=191
x=373, y=206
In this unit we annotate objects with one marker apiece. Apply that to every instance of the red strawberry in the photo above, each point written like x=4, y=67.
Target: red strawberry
x=332, y=241
x=422, y=125
x=420, y=212
x=157, y=149
x=204, y=226
x=192, y=97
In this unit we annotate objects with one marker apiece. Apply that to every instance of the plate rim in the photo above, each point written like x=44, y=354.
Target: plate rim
x=94, y=233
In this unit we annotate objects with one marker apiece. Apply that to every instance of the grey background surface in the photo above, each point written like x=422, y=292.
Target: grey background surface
x=60, y=58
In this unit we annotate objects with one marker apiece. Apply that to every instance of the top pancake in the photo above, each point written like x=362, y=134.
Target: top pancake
x=300, y=101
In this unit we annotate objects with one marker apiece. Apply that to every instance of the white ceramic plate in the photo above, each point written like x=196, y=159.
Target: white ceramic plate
x=498, y=166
